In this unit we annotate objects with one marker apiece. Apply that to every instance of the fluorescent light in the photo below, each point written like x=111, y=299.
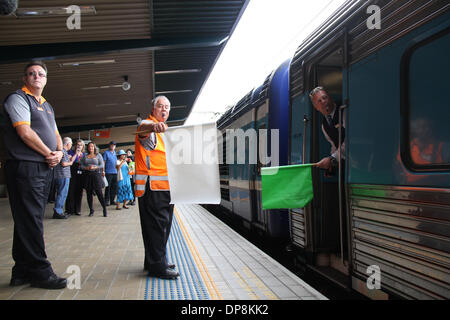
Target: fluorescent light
x=84, y=63
x=6, y=83
x=102, y=87
x=178, y=71
x=111, y=104
x=174, y=91
x=52, y=11
x=121, y=117
x=178, y=107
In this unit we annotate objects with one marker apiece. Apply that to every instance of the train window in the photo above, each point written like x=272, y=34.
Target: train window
x=428, y=109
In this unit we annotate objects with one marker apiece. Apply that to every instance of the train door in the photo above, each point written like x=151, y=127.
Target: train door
x=328, y=222
x=300, y=146
x=261, y=124
x=240, y=170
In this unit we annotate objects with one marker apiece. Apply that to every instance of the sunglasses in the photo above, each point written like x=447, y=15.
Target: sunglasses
x=34, y=74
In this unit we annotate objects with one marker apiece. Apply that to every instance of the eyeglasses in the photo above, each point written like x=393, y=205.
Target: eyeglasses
x=315, y=90
x=33, y=73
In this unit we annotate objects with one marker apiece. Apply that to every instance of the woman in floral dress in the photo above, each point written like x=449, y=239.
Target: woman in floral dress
x=124, y=191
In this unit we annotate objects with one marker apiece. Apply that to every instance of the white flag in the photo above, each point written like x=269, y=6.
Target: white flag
x=193, y=164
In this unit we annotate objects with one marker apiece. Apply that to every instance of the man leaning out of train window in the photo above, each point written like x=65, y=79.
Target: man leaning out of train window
x=323, y=103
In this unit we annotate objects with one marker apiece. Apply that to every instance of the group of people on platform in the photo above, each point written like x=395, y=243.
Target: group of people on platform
x=93, y=172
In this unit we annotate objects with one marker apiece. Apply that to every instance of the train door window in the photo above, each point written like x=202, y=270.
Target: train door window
x=426, y=73
x=329, y=75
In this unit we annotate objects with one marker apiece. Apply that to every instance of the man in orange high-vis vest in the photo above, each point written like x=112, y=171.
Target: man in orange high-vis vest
x=152, y=189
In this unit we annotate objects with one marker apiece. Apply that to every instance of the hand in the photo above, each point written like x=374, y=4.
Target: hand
x=159, y=127
x=53, y=158
x=325, y=163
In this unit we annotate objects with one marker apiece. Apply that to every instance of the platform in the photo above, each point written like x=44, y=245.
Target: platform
x=215, y=263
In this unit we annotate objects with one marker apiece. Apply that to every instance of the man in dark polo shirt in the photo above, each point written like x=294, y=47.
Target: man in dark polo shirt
x=33, y=149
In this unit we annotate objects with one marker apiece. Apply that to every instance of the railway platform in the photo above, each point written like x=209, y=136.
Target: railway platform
x=214, y=262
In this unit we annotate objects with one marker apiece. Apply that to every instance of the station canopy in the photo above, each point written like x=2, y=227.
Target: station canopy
x=158, y=47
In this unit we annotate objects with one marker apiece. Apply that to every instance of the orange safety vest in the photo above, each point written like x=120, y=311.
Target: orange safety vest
x=150, y=164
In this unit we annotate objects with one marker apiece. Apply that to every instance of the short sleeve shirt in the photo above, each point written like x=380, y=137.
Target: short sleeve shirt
x=60, y=171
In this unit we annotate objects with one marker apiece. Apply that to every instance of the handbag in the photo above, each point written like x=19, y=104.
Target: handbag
x=105, y=182
x=119, y=172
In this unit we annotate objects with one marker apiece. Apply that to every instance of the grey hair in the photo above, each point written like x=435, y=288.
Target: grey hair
x=66, y=140
x=35, y=63
x=155, y=100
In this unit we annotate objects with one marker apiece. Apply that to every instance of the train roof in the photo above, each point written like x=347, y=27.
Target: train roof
x=253, y=98
x=349, y=22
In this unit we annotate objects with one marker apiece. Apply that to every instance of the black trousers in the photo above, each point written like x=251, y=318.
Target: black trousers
x=111, y=189
x=28, y=186
x=156, y=215
x=52, y=188
x=94, y=183
x=75, y=194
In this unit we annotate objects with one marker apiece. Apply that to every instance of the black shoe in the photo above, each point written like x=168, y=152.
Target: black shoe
x=59, y=216
x=105, y=213
x=166, y=274
x=53, y=282
x=91, y=213
x=169, y=265
x=77, y=214
x=15, y=282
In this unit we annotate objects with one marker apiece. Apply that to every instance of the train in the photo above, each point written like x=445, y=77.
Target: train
x=381, y=224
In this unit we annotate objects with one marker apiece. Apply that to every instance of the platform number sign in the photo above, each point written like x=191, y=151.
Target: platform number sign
x=374, y=280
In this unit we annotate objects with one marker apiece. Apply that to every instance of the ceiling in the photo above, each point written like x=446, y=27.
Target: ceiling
x=162, y=47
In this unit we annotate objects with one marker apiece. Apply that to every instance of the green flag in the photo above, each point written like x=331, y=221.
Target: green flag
x=286, y=187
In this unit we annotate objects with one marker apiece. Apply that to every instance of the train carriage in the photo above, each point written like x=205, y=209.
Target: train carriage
x=258, y=118
x=385, y=214
x=381, y=224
